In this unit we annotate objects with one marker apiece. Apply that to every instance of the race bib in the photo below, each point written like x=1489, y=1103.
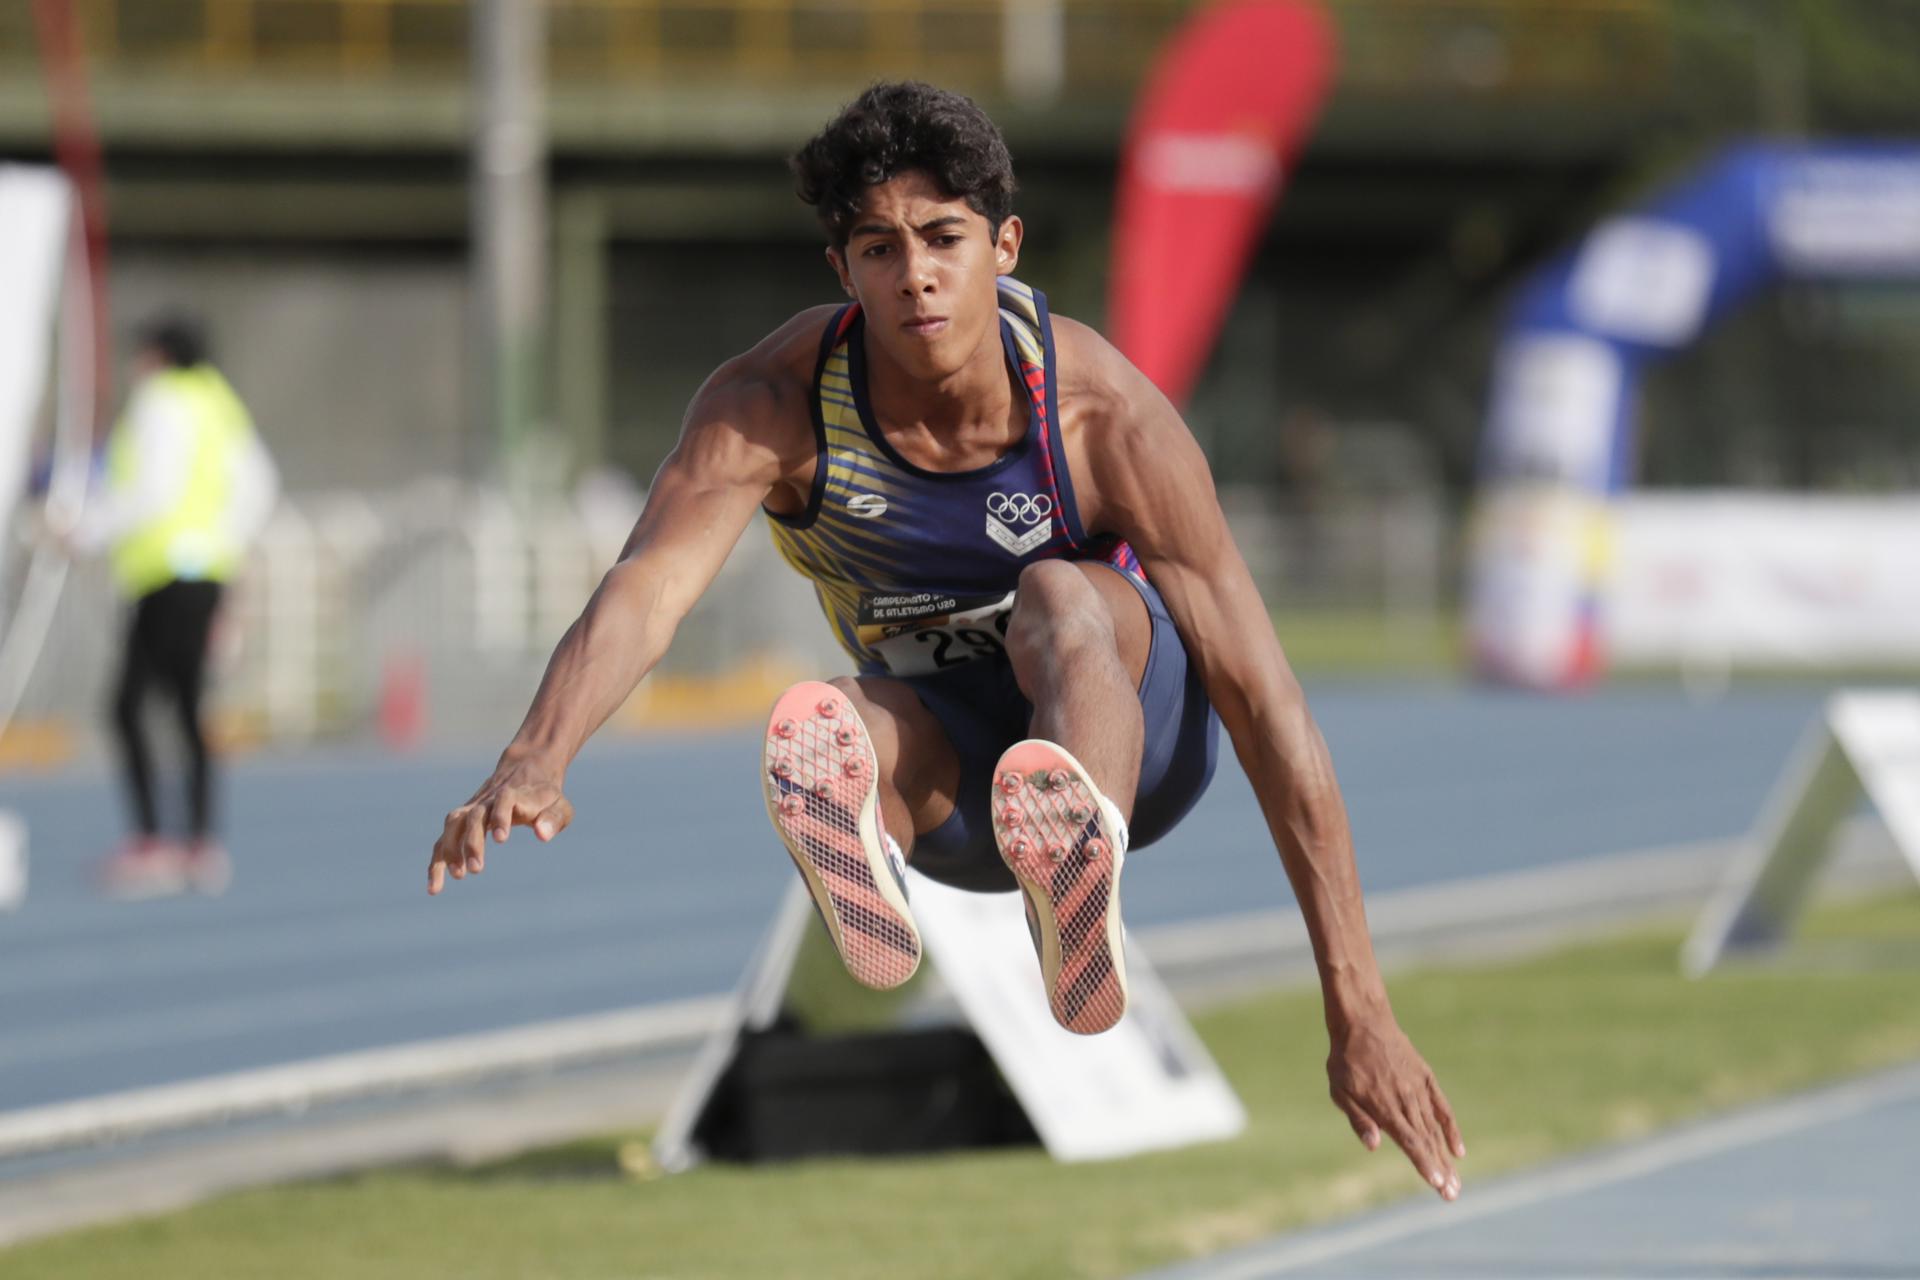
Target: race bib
x=920, y=632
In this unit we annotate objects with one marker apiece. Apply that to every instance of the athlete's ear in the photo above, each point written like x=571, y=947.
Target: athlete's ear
x=837, y=259
x=1006, y=246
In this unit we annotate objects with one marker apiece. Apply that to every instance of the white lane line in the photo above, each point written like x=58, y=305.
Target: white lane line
x=1743, y=1129
x=333, y=1079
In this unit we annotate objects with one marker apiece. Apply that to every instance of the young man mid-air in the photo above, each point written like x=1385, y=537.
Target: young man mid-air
x=1016, y=539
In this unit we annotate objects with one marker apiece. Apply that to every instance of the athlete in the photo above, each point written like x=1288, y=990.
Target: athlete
x=1017, y=541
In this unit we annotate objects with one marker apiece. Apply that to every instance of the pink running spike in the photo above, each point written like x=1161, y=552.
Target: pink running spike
x=1013, y=815
x=826, y=809
x=1010, y=783
x=786, y=729
x=1072, y=895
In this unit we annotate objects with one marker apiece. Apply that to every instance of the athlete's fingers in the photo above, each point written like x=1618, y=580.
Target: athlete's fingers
x=553, y=819
x=1434, y=1140
x=1363, y=1126
x=1448, y=1125
x=500, y=816
x=436, y=874
x=471, y=845
x=1406, y=1134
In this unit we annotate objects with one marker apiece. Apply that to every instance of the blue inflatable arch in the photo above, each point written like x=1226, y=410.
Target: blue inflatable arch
x=1643, y=284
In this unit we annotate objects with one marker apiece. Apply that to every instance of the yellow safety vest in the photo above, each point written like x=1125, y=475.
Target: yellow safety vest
x=193, y=541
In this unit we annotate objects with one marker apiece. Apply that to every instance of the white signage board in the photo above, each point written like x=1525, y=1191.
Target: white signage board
x=1863, y=741
x=1778, y=579
x=1145, y=1085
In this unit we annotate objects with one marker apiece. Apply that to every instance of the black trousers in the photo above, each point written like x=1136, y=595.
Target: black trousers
x=167, y=650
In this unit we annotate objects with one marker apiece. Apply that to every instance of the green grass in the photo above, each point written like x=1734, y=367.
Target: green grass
x=1339, y=642
x=1541, y=1057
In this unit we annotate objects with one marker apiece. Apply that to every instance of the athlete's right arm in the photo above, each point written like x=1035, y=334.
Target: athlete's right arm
x=747, y=433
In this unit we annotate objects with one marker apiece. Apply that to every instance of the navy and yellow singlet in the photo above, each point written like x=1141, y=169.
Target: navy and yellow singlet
x=915, y=569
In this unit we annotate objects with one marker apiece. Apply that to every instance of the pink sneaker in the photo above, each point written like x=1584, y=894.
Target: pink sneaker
x=1065, y=843
x=208, y=868
x=823, y=794
x=144, y=867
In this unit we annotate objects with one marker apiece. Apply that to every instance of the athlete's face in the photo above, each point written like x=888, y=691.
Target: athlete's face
x=922, y=266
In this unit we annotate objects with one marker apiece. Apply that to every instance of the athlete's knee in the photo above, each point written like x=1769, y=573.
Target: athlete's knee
x=1055, y=611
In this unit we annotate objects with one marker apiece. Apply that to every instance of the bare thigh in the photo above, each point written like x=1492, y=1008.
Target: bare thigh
x=919, y=769
x=1132, y=625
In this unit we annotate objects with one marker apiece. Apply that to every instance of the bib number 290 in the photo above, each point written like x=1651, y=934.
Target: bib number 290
x=952, y=646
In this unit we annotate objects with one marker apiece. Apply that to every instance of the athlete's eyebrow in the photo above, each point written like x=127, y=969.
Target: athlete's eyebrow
x=881, y=229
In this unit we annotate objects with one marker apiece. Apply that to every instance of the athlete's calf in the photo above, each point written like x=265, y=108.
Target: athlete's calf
x=1078, y=642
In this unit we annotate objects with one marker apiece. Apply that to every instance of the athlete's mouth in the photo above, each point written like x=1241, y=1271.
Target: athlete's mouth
x=925, y=326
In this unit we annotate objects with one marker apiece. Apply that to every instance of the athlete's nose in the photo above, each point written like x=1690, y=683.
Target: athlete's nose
x=916, y=271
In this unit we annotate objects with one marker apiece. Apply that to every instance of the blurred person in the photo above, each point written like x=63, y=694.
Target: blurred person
x=1016, y=539
x=188, y=484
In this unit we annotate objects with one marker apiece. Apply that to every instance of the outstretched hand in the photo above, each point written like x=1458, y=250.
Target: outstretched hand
x=1382, y=1083
x=519, y=794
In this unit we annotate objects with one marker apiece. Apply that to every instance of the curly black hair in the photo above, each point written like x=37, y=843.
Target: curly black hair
x=896, y=127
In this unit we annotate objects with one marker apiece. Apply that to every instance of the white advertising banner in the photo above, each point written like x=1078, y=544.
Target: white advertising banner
x=1763, y=578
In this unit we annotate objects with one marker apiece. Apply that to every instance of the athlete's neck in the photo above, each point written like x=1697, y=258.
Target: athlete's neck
x=973, y=408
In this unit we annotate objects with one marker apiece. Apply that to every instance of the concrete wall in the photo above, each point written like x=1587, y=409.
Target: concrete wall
x=352, y=360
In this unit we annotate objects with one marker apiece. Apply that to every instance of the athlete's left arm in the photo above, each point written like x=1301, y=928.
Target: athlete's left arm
x=1150, y=484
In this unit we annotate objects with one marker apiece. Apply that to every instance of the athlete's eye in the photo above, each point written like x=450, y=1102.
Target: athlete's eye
x=948, y=240
x=873, y=251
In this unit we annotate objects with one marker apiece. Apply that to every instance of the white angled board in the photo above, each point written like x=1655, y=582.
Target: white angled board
x=1881, y=735
x=1147, y=1084
x=1862, y=741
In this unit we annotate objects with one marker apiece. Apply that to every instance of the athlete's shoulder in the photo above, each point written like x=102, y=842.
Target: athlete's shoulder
x=1100, y=390
x=766, y=390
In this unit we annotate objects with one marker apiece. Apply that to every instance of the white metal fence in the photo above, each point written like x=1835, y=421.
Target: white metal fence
x=455, y=597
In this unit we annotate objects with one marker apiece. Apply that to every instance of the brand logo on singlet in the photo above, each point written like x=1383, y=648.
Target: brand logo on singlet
x=1019, y=521
x=865, y=506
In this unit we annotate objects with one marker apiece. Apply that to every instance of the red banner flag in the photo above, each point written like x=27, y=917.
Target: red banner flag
x=1223, y=114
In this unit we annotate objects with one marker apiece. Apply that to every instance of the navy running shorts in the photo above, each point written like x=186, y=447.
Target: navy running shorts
x=983, y=711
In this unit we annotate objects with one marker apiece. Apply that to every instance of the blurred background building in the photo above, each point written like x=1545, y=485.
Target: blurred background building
x=298, y=171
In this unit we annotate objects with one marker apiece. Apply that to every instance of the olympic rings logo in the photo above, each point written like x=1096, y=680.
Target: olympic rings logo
x=1019, y=508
